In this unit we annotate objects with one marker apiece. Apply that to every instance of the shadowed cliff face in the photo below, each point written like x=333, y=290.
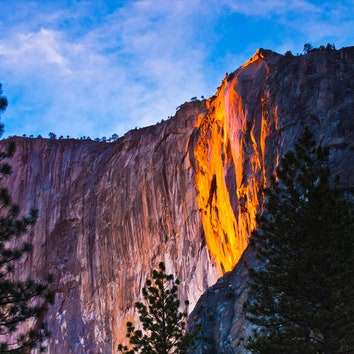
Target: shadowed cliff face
x=185, y=192
x=108, y=214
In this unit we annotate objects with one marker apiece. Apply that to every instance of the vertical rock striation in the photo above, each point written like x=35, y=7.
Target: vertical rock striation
x=185, y=191
x=233, y=159
x=108, y=214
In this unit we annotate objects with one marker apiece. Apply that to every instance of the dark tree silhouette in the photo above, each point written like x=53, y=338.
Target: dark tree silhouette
x=163, y=324
x=307, y=47
x=302, y=294
x=22, y=303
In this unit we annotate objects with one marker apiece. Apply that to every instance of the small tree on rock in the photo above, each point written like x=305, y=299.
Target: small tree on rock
x=163, y=324
x=307, y=48
x=302, y=293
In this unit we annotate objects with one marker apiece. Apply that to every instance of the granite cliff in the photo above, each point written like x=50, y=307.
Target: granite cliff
x=315, y=90
x=184, y=191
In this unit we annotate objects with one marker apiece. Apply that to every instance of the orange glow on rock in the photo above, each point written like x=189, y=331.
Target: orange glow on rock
x=230, y=169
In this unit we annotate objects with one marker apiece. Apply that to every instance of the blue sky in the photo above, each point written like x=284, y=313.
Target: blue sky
x=94, y=68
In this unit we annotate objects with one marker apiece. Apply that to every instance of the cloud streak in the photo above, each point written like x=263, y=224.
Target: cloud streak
x=121, y=69
x=271, y=7
x=93, y=69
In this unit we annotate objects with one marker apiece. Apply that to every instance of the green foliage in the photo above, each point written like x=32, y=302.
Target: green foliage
x=302, y=294
x=162, y=322
x=21, y=302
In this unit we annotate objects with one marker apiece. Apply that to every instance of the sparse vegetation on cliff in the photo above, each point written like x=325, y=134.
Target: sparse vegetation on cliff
x=53, y=136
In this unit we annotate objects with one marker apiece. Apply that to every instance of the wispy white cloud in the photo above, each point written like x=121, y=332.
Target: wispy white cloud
x=127, y=72
x=95, y=69
x=270, y=7
x=26, y=51
x=312, y=20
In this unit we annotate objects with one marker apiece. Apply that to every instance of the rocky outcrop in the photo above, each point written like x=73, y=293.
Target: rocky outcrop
x=219, y=316
x=184, y=191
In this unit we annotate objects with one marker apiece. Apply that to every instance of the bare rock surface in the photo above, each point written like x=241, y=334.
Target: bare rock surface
x=185, y=191
x=219, y=312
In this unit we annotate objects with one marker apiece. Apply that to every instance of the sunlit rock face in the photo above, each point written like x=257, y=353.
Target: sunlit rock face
x=269, y=101
x=233, y=159
x=184, y=191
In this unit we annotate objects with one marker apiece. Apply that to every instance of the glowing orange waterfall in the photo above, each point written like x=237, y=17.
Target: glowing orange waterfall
x=230, y=169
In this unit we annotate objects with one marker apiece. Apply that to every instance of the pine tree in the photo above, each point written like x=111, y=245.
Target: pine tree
x=302, y=293
x=162, y=322
x=22, y=303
